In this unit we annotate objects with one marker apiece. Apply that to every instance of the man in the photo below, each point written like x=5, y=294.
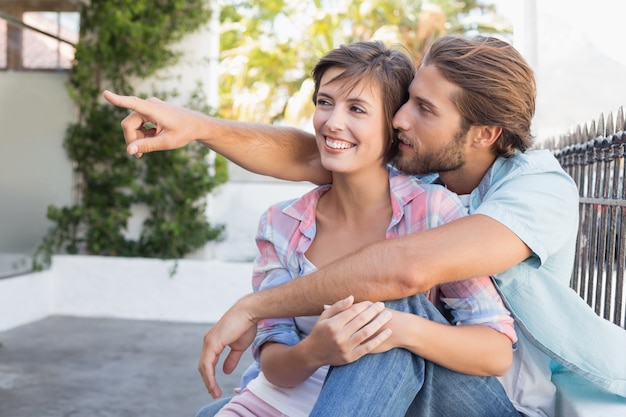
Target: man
x=468, y=119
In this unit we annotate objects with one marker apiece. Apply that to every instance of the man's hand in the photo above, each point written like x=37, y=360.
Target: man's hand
x=235, y=330
x=154, y=125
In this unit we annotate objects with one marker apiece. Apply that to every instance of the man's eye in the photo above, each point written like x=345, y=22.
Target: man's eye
x=424, y=109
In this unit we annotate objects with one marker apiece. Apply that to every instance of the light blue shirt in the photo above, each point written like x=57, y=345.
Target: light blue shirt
x=531, y=195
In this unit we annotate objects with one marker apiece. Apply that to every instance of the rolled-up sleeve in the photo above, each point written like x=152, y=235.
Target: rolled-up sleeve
x=270, y=270
x=471, y=301
x=476, y=301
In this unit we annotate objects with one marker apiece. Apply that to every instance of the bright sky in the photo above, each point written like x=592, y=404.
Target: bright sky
x=577, y=51
x=602, y=21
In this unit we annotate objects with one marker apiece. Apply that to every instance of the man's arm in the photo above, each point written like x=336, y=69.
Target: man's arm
x=471, y=246
x=281, y=152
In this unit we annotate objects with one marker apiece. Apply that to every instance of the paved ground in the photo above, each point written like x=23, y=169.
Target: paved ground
x=74, y=367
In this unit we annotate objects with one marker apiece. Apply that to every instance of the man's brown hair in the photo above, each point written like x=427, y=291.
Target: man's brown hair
x=497, y=86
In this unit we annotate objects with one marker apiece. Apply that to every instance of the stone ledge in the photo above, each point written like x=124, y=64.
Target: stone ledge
x=199, y=291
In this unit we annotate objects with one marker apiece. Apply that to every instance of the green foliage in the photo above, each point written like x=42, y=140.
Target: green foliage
x=124, y=40
x=269, y=47
x=121, y=39
x=174, y=183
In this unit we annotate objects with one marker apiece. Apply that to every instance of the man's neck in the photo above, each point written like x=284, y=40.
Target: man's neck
x=464, y=180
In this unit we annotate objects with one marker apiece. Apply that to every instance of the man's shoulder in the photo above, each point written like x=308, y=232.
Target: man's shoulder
x=525, y=178
x=537, y=166
x=535, y=161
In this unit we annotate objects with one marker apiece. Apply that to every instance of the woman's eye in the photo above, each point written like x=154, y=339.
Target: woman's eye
x=322, y=102
x=358, y=109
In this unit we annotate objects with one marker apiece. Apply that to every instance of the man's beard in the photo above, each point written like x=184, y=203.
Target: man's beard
x=448, y=158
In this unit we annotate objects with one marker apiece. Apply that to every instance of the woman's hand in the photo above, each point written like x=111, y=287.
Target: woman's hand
x=346, y=331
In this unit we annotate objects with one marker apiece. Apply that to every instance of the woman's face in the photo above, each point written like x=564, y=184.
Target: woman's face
x=349, y=124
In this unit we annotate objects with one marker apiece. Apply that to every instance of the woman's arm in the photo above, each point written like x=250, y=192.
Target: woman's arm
x=336, y=340
x=286, y=366
x=285, y=358
x=281, y=152
x=472, y=349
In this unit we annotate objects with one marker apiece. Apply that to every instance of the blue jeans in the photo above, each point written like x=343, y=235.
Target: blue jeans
x=211, y=409
x=398, y=383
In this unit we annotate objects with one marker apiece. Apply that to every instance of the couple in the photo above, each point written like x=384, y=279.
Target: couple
x=521, y=230
x=365, y=203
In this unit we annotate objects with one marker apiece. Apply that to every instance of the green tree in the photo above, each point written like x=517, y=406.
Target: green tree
x=270, y=46
x=122, y=41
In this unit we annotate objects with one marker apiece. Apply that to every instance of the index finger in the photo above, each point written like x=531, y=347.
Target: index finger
x=133, y=125
x=129, y=102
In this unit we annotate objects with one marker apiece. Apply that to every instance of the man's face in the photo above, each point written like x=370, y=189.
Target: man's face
x=430, y=136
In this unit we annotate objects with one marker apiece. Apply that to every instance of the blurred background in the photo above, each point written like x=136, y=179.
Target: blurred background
x=140, y=256
x=66, y=185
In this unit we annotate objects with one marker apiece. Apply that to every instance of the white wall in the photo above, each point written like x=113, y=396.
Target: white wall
x=26, y=298
x=35, y=111
x=130, y=288
x=238, y=205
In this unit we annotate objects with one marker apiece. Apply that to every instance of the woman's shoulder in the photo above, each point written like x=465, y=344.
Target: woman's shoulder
x=295, y=210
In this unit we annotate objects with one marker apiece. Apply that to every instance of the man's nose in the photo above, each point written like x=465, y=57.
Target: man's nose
x=399, y=120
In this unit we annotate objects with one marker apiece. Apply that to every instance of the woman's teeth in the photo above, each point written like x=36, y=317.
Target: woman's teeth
x=338, y=144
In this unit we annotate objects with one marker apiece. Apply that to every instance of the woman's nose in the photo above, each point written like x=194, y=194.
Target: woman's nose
x=335, y=120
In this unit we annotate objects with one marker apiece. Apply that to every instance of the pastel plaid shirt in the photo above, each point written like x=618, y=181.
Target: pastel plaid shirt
x=287, y=229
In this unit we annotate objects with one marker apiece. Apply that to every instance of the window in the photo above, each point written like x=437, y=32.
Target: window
x=38, y=35
x=42, y=51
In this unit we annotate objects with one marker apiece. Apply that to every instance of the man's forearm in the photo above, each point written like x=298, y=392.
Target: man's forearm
x=369, y=274
x=465, y=248
x=278, y=151
x=282, y=152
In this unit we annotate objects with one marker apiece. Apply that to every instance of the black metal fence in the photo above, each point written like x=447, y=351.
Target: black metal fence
x=594, y=156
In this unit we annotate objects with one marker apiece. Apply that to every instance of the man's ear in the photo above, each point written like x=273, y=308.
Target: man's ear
x=486, y=135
